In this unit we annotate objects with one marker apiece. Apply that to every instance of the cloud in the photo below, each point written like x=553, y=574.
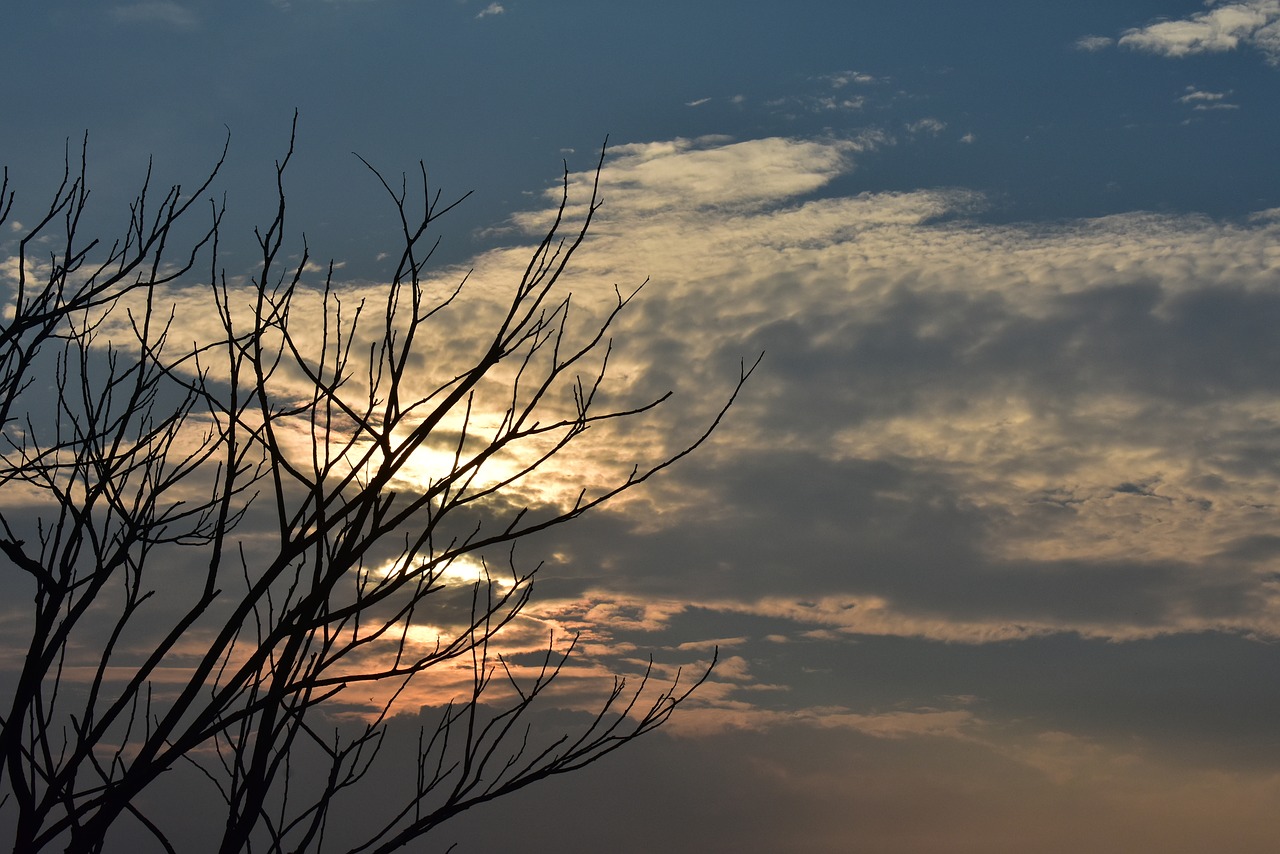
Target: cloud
x=938, y=392
x=1199, y=99
x=969, y=442
x=1024, y=405
x=829, y=103
x=491, y=9
x=683, y=175
x=833, y=93
x=159, y=12
x=841, y=79
x=1092, y=44
x=1227, y=26
x=1005, y=792
x=950, y=723
x=1056, y=793
x=928, y=125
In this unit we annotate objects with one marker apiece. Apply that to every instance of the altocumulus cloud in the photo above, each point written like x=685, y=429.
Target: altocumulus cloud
x=986, y=474
x=1022, y=465
x=962, y=432
x=1071, y=420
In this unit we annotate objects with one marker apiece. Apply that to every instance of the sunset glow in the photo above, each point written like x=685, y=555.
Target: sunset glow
x=987, y=550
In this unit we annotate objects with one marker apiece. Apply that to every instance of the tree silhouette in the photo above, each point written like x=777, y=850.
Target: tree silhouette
x=222, y=542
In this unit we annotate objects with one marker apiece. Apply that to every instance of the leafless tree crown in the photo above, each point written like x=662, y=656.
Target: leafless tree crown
x=205, y=529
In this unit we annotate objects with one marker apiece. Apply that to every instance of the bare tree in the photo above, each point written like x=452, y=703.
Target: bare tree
x=220, y=541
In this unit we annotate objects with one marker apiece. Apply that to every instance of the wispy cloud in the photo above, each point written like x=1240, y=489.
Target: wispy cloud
x=841, y=79
x=1227, y=26
x=928, y=125
x=1093, y=44
x=717, y=173
x=843, y=104
x=491, y=9
x=1198, y=99
x=159, y=12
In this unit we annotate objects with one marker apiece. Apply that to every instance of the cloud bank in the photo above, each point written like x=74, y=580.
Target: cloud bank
x=989, y=482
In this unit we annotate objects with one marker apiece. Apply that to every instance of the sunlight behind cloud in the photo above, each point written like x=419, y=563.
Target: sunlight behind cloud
x=1023, y=363
x=988, y=549
x=466, y=570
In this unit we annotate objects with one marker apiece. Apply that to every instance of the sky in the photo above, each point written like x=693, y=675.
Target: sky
x=990, y=543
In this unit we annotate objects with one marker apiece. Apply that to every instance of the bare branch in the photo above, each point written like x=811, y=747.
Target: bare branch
x=226, y=539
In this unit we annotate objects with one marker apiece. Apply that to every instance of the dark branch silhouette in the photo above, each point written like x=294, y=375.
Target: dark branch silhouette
x=221, y=541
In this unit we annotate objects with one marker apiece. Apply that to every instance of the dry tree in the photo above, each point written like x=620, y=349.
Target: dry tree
x=219, y=540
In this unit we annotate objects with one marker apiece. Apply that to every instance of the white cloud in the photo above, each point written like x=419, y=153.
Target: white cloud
x=834, y=94
x=927, y=125
x=715, y=173
x=826, y=104
x=1254, y=23
x=841, y=79
x=1093, y=43
x=1199, y=99
x=697, y=103
x=491, y=9
x=160, y=11
x=1194, y=96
